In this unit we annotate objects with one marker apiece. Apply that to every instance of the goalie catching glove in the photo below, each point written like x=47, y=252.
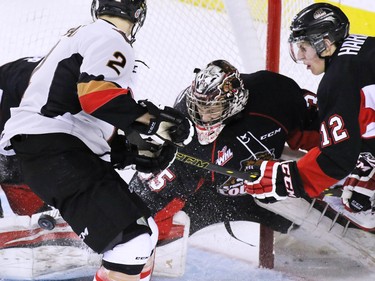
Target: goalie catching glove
x=277, y=181
x=359, y=187
x=167, y=125
x=155, y=159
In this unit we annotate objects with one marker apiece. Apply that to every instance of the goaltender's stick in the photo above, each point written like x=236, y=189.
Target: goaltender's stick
x=191, y=160
x=249, y=175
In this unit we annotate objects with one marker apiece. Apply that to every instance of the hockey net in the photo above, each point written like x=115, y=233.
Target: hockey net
x=178, y=36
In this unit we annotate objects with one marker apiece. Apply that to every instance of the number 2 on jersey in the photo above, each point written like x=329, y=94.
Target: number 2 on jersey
x=120, y=61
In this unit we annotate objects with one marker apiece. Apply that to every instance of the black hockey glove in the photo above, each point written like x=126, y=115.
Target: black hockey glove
x=125, y=155
x=278, y=180
x=168, y=125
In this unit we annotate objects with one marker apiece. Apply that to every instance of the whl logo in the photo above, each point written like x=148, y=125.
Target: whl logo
x=223, y=156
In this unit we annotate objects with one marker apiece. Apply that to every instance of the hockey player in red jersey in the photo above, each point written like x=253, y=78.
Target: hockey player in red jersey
x=77, y=99
x=240, y=120
x=320, y=40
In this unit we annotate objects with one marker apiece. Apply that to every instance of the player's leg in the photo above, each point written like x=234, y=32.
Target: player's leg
x=126, y=261
x=21, y=199
x=10, y=170
x=93, y=198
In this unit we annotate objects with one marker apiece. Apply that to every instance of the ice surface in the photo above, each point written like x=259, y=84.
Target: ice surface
x=295, y=261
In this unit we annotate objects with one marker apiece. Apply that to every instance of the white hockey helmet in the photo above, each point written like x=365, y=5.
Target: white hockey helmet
x=216, y=94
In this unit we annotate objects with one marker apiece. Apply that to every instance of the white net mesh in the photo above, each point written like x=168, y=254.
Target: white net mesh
x=178, y=36
x=32, y=27
x=287, y=65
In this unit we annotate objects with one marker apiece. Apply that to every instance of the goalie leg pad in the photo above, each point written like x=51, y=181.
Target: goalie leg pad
x=22, y=200
x=171, y=252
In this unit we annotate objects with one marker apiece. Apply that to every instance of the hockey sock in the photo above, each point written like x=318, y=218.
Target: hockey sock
x=148, y=268
x=104, y=274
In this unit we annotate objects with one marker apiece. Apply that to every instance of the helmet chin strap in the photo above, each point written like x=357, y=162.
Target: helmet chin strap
x=132, y=34
x=326, y=62
x=327, y=59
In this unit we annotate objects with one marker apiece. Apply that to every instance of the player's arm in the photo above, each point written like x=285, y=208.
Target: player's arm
x=104, y=92
x=340, y=142
x=322, y=166
x=306, y=136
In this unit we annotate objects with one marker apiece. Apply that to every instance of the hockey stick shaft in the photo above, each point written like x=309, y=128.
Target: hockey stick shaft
x=191, y=160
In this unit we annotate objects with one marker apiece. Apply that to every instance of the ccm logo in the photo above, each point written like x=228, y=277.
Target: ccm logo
x=287, y=179
x=270, y=134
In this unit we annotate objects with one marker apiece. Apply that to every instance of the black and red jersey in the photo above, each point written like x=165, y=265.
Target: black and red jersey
x=346, y=101
x=14, y=79
x=276, y=112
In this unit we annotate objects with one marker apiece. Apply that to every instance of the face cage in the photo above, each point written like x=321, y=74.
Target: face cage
x=220, y=111
x=137, y=26
x=219, y=99
x=207, y=132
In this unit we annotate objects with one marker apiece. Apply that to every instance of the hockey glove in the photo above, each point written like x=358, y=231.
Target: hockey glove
x=359, y=187
x=125, y=155
x=277, y=181
x=168, y=125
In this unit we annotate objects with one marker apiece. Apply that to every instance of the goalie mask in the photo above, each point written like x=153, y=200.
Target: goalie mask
x=315, y=23
x=131, y=10
x=216, y=94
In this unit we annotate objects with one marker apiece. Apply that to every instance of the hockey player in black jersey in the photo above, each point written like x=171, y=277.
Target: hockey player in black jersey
x=240, y=120
x=320, y=40
x=78, y=97
x=14, y=78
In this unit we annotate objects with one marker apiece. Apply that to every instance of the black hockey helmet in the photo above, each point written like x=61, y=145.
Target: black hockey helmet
x=131, y=10
x=317, y=22
x=218, y=91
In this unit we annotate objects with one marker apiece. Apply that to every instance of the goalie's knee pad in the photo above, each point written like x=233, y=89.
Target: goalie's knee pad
x=130, y=257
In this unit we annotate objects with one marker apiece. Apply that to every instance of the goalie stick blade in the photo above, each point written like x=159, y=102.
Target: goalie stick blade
x=250, y=175
x=364, y=220
x=314, y=226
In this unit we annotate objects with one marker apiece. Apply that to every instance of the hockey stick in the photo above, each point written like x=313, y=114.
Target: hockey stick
x=191, y=160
